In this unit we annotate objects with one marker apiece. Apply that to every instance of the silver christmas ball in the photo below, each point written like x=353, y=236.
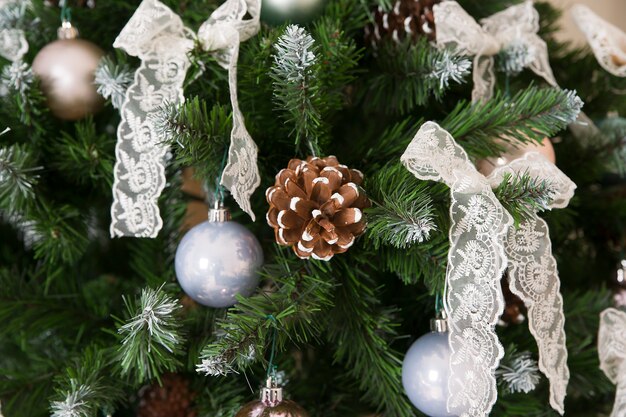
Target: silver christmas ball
x=296, y=11
x=425, y=373
x=217, y=260
x=67, y=68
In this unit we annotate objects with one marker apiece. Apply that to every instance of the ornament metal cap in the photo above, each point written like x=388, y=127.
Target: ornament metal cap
x=271, y=394
x=67, y=30
x=439, y=324
x=219, y=213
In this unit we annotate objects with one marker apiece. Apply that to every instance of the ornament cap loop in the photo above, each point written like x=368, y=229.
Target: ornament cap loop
x=439, y=325
x=219, y=213
x=67, y=31
x=271, y=394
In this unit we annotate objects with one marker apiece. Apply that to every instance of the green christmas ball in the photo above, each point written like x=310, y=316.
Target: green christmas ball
x=277, y=12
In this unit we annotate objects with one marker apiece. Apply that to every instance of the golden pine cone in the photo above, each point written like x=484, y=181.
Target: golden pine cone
x=407, y=18
x=173, y=398
x=316, y=207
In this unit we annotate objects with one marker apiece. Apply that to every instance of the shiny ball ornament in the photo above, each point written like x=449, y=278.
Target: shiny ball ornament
x=218, y=259
x=66, y=69
x=425, y=372
x=486, y=166
x=277, y=12
x=272, y=404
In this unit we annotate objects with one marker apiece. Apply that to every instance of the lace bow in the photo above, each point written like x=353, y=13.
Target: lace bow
x=516, y=26
x=607, y=42
x=158, y=37
x=13, y=44
x=612, y=352
x=533, y=274
x=476, y=262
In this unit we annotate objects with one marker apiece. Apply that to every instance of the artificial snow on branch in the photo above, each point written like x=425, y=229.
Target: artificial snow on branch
x=75, y=403
x=519, y=374
x=113, y=81
x=151, y=337
x=292, y=73
x=450, y=67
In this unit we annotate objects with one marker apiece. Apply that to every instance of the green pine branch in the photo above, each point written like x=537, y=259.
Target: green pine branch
x=360, y=330
x=87, y=388
x=402, y=214
x=290, y=309
x=199, y=136
x=410, y=74
x=19, y=173
x=523, y=195
x=530, y=115
x=150, y=337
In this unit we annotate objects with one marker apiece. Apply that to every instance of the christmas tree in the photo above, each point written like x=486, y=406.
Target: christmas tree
x=408, y=152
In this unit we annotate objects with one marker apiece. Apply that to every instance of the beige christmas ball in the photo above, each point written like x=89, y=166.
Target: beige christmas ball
x=66, y=68
x=486, y=166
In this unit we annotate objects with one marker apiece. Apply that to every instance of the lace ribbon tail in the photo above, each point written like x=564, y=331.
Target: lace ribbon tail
x=476, y=262
x=612, y=354
x=484, y=78
x=534, y=278
x=541, y=64
x=157, y=36
x=241, y=174
x=607, y=42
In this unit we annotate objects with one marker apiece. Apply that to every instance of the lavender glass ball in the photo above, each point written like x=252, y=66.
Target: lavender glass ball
x=425, y=373
x=216, y=260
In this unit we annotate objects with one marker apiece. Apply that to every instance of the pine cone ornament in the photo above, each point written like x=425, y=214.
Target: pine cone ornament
x=316, y=206
x=173, y=398
x=407, y=19
x=514, y=306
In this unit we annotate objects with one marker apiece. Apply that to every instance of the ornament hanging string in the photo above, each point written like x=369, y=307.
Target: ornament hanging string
x=219, y=188
x=271, y=368
x=66, y=12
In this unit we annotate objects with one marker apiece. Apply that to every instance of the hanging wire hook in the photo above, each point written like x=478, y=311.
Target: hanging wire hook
x=271, y=368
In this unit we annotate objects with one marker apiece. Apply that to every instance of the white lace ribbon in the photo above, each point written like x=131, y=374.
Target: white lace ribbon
x=612, y=352
x=607, y=42
x=13, y=44
x=158, y=37
x=518, y=24
x=533, y=274
x=476, y=262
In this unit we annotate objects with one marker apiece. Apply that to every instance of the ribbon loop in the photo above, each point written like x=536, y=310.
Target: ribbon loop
x=607, y=41
x=518, y=24
x=533, y=274
x=476, y=261
x=13, y=43
x=612, y=353
x=159, y=38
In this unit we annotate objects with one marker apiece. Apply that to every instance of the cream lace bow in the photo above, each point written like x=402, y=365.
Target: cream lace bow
x=158, y=37
x=612, y=352
x=476, y=262
x=13, y=44
x=607, y=41
x=533, y=274
x=518, y=25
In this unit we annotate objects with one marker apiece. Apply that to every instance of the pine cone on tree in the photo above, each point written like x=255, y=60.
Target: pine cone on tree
x=173, y=398
x=316, y=207
x=407, y=19
x=514, y=308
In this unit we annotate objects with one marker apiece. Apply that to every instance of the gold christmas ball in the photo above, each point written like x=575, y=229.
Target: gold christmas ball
x=486, y=166
x=285, y=408
x=272, y=404
x=66, y=68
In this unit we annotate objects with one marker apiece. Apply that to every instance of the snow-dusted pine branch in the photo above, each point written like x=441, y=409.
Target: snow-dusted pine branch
x=151, y=337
